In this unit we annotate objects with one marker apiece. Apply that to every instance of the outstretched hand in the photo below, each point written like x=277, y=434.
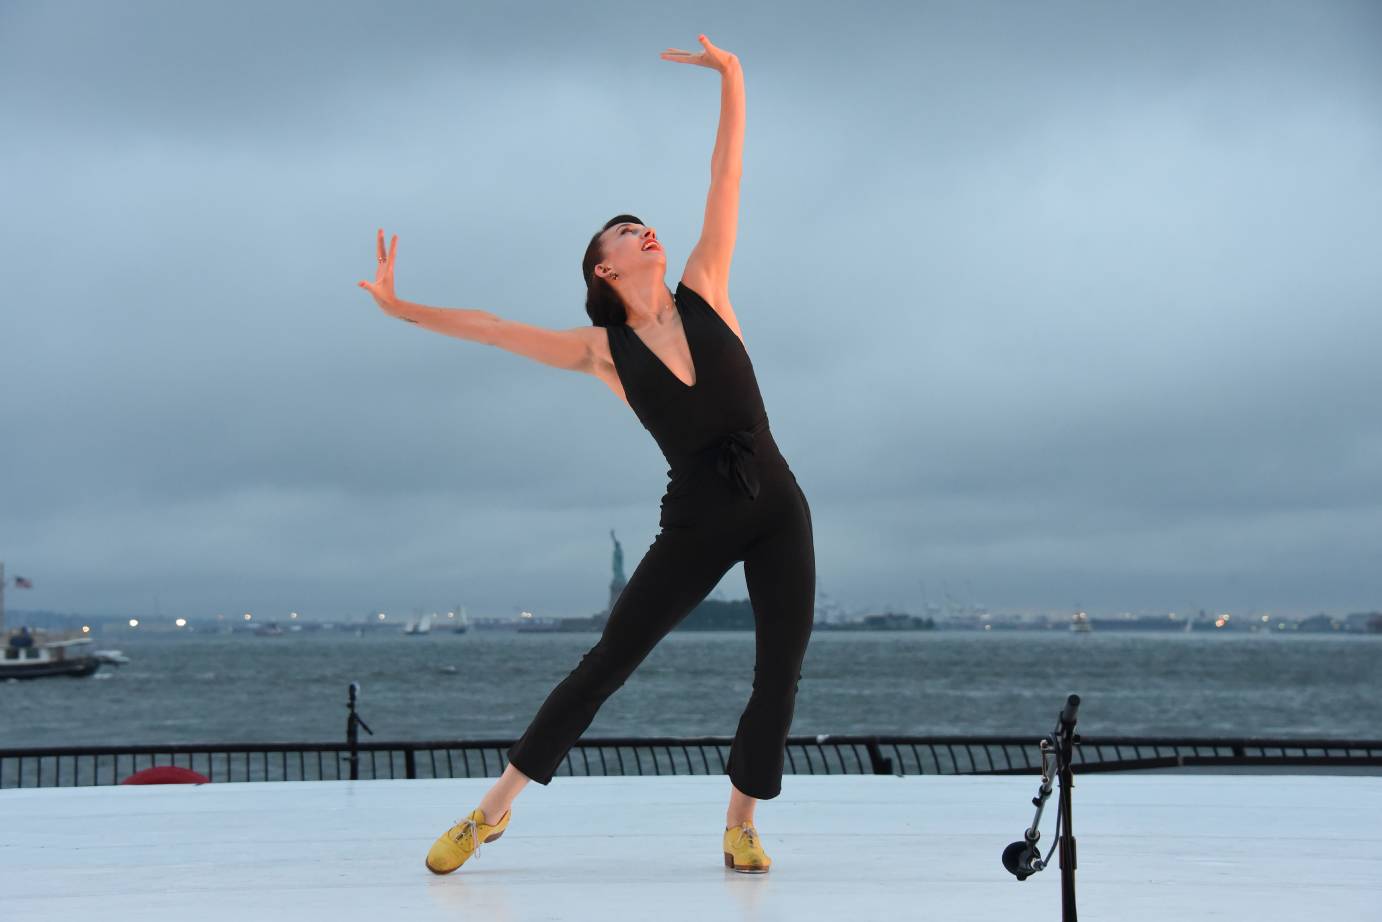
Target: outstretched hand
x=382, y=286
x=712, y=57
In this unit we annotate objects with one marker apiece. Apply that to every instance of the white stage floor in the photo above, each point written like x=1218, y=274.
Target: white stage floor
x=857, y=847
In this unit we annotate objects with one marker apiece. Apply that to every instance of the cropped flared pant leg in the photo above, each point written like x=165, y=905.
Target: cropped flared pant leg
x=780, y=570
x=773, y=537
x=679, y=570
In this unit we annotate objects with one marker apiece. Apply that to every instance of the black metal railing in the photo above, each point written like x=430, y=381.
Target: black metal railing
x=69, y=766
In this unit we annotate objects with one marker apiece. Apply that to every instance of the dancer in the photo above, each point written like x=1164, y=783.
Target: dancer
x=679, y=361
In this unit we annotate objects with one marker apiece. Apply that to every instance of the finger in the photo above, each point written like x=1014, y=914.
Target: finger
x=393, y=248
x=381, y=243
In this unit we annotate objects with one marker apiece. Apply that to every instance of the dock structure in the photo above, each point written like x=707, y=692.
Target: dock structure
x=1151, y=846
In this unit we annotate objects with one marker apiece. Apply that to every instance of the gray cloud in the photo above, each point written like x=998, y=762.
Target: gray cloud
x=1064, y=303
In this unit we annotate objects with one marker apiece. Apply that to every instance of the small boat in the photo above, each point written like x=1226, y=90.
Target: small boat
x=269, y=630
x=1079, y=623
x=45, y=658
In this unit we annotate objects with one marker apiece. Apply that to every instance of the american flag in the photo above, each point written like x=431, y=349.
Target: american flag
x=22, y=583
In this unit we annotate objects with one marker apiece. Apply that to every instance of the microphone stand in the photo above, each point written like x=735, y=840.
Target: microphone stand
x=1023, y=858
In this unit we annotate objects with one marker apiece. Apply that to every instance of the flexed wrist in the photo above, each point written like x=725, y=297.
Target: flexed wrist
x=397, y=307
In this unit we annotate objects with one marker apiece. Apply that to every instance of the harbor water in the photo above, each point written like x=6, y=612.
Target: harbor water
x=488, y=685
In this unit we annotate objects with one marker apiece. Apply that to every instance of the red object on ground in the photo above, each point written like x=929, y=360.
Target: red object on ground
x=166, y=774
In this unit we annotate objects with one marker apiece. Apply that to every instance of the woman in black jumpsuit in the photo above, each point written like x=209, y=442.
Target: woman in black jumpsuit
x=730, y=497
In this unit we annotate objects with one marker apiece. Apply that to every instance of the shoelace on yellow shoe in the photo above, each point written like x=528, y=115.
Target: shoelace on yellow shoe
x=746, y=832
x=468, y=826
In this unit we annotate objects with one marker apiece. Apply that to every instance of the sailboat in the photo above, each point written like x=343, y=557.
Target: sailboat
x=462, y=622
x=419, y=626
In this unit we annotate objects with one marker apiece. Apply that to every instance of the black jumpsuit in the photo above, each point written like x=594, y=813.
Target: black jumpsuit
x=730, y=497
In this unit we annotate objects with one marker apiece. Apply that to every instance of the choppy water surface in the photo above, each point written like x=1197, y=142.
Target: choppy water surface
x=207, y=688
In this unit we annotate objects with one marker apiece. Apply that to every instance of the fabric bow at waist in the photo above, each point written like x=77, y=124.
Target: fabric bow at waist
x=733, y=461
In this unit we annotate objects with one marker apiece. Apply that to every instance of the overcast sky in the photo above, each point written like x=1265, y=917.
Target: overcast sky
x=1050, y=304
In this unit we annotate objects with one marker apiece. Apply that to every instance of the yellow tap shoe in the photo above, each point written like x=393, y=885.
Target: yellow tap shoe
x=743, y=851
x=462, y=840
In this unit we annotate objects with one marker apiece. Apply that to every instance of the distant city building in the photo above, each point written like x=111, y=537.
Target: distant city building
x=1367, y=622
x=1320, y=624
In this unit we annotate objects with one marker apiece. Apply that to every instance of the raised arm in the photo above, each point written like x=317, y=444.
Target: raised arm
x=571, y=350
x=707, y=268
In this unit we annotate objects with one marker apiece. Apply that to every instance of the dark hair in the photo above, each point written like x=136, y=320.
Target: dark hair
x=602, y=302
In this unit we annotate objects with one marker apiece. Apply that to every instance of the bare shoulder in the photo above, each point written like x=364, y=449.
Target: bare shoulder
x=716, y=294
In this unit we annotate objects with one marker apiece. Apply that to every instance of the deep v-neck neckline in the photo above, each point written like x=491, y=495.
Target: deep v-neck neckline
x=689, y=350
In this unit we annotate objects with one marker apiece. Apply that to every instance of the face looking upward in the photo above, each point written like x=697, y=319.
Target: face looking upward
x=632, y=252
